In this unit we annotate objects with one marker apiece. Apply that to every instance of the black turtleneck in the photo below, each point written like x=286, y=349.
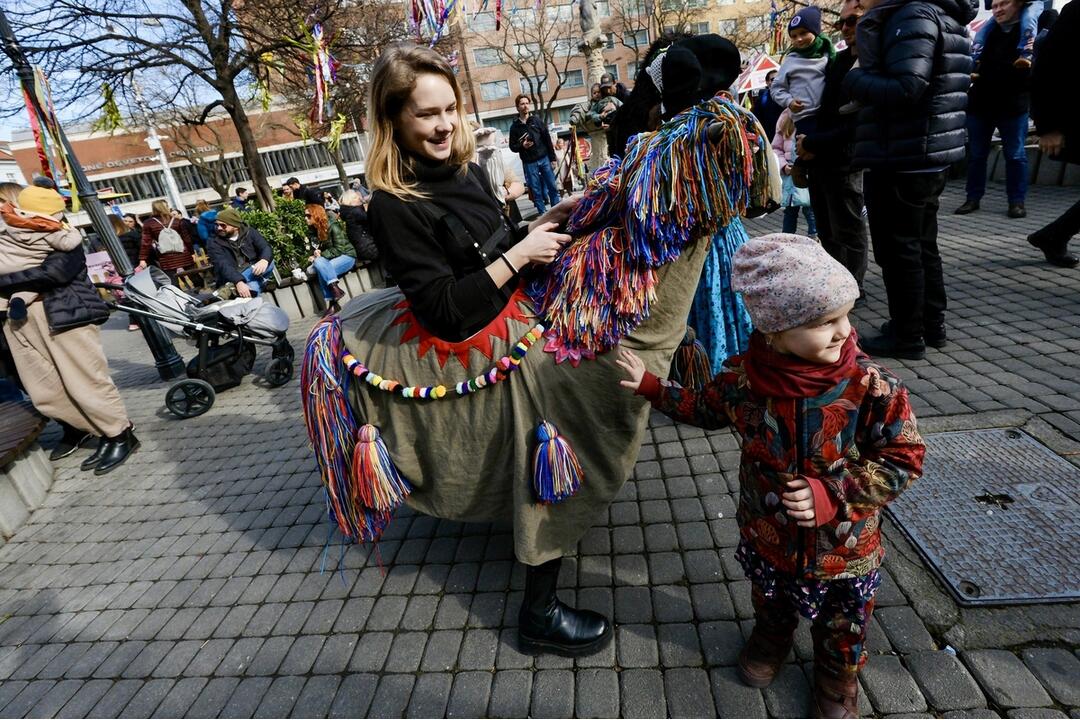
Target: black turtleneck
x=446, y=283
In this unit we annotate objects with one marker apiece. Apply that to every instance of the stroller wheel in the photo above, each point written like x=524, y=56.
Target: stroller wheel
x=279, y=372
x=190, y=398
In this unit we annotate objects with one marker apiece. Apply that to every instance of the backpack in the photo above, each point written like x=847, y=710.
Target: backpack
x=169, y=241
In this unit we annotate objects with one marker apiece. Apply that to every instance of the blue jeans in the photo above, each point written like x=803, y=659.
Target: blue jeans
x=791, y=219
x=255, y=282
x=1013, y=133
x=1029, y=28
x=329, y=270
x=541, y=180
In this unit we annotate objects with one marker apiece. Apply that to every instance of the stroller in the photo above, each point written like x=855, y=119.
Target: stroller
x=226, y=334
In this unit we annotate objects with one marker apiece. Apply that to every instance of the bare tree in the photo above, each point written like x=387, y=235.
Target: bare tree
x=216, y=47
x=539, y=44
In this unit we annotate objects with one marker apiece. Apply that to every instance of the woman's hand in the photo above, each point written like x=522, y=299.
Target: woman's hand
x=540, y=246
x=799, y=502
x=633, y=367
x=558, y=214
x=141, y=266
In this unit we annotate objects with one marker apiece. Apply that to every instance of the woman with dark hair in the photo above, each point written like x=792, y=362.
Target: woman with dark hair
x=705, y=65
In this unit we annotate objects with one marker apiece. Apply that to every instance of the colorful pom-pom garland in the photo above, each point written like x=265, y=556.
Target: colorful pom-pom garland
x=497, y=373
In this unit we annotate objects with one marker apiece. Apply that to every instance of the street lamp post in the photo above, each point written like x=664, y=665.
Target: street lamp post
x=168, y=362
x=153, y=140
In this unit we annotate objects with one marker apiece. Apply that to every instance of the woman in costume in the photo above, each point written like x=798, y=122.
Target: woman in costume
x=456, y=257
x=718, y=317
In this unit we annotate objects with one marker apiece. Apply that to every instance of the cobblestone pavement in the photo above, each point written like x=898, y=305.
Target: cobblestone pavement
x=189, y=582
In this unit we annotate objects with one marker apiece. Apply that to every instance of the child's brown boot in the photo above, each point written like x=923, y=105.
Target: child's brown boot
x=836, y=692
x=762, y=657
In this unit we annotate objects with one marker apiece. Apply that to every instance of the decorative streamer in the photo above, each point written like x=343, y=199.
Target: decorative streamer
x=690, y=365
x=111, y=119
x=557, y=474
x=337, y=127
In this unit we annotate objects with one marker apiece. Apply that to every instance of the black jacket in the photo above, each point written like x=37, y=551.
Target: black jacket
x=831, y=139
x=535, y=128
x=131, y=241
x=70, y=300
x=913, y=77
x=767, y=112
x=231, y=257
x=1054, y=107
x=1001, y=88
x=359, y=232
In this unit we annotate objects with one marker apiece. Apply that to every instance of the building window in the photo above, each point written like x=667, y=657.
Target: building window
x=728, y=27
x=725, y=2
x=612, y=70
x=486, y=57
x=632, y=69
x=603, y=8
x=495, y=90
x=757, y=23
x=523, y=17
x=527, y=51
x=573, y=79
x=566, y=46
x=699, y=28
x=559, y=13
x=483, y=21
x=533, y=84
x=502, y=124
x=638, y=39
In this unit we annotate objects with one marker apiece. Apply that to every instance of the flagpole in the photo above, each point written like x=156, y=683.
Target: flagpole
x=168, y=362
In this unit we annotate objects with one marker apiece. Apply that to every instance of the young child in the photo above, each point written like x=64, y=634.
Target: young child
x=801, y=80
x=1025, y=47
x=828, y=438
x=28, y=233
x=793, y=198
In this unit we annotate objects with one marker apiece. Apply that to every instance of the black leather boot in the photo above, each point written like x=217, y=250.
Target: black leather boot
x=117, y=451
x=91, y=462
x=545, y=624
x=73, y=439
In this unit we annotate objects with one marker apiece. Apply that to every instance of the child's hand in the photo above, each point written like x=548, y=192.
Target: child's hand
x=799, y=502
x=797, y=106
x=634, y=368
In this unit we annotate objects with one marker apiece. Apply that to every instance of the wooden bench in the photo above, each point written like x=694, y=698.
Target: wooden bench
x=25, y=471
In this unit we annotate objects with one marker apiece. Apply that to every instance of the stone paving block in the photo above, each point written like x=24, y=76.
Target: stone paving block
x=944, y=681
x=84, y=699
x=688, y=693
x=552, y=694
x=317, y=696
x=293, y=618
x=478, y=649
x=1059, y=672
x=143, y=664
x=354, y=696
x=208, y=658
x=1005, y=679
x=633, y=605
x=597, y=693
x=280, y=697
x=335, y=654
x=371, y=652
x=905, y=630
x=1035, y=713
x=642, y=694
x=889, y=686
x=630, y=570
x=721, y=642
x=119, y=659
x=406, y=652
x=430, y=696
x=180, y=698
x=91, y=659
x=28, y=698
x=511, y=694
x=733, y=698
x=302, y=655
x=354, y=614
x=392, y=696
x=469, y=695
x=146, y=700
x=116, y=699
x=453, y=612
x=976, y=713
x=679, y=645
x=711, y=601
x=246, y=697
x=789, y=694
x=671, y=603
x=240, y=657
x=636, y=646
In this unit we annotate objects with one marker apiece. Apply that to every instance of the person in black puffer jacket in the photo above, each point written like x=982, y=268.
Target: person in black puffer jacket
x=352, y=212
x=912, y=81
x=57, y=349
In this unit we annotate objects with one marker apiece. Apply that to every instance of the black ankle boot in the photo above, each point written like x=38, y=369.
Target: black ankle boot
x=73, y=439
x=545, y=624
x=117, y=451
x=91, y=462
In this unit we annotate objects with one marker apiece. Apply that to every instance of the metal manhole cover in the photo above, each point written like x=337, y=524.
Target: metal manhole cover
x=996, y=516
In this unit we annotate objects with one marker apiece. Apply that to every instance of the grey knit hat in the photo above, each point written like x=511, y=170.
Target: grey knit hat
x=789, y=280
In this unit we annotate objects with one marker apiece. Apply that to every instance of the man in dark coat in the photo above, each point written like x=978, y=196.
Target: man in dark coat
x=1056, y=111
x=531, y=140
x=912, y=81
x=765, y=109
x=836, y=190
x=998, y=99
x=240, y=255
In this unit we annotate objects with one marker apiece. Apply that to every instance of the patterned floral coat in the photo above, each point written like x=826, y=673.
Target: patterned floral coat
x=859, y=440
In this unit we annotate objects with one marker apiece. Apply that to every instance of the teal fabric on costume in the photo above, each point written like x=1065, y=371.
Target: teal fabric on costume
x=718, y=314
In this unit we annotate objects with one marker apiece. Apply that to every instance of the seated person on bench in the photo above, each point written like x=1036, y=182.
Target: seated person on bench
x=240, y=255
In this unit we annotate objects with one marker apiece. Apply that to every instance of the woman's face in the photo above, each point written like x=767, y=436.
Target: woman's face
x=427, y=122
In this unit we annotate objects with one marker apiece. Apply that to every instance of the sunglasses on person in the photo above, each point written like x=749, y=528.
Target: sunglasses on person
x=850, y=21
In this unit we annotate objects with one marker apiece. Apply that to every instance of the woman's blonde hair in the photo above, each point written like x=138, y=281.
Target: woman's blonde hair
x=350, y=197
x=392, y=81
x=321, y=221
x=786, y=124
x=160, y=209
x=9, y=192
x=118, y=225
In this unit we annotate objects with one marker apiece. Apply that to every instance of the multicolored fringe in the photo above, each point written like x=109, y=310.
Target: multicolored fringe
x=557, y=474
x=690, y=366
x=362, y=486
x=684, y=181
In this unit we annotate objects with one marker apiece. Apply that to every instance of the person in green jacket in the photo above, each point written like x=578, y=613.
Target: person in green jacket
x=333, y=254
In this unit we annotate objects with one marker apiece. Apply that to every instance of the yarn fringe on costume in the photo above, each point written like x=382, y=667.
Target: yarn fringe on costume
x=684, y=185
x=557, y=474
x=690, y=366
x=363, y=488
